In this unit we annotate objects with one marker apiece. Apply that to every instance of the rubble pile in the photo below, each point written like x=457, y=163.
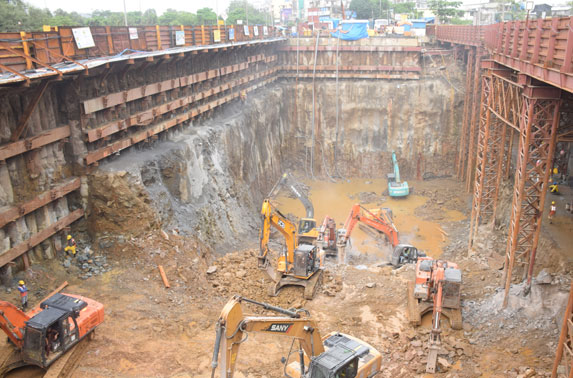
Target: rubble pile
x=86, y=263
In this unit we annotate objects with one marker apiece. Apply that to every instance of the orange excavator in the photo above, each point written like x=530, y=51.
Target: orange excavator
x=437, y=287
x=335, y=355
x=299, y=264
x=327, y=236
x=380, y=222
x=47, y=332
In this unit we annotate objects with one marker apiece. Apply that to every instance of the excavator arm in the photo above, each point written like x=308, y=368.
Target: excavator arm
x=233, y=328
x=13, y=321
x=287, y=180
x=274, y=218
x=396, y=168
x=436, y=281
x=381, y=223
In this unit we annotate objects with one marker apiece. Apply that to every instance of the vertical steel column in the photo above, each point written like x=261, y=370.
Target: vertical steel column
x=463, y=146
x=564, y=352
x=482, y=149
x=474, y=121
x=538, y=134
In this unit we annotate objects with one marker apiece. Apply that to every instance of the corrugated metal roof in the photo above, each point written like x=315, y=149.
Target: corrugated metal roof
x=71, y=67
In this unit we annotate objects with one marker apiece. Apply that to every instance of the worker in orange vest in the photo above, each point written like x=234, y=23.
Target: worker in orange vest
x=552, y=212
x=71, y=247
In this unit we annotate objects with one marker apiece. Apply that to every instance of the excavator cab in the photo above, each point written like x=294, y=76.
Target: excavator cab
x=307, y=231
x=52, y=331
x=405, y=254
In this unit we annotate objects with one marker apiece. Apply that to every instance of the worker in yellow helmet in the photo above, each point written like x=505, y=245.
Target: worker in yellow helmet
x=552, y=211
x=71, y=246
x=23, y=294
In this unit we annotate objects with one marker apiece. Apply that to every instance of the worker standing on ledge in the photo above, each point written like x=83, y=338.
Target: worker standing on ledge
x=552, y=212
x=71, y=247
x=23, y=294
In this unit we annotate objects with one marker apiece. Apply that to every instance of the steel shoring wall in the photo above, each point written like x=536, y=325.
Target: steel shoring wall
x=482, y=152
x=474, y=120
x=462, y=152
x=564, y=351
x=538, y=133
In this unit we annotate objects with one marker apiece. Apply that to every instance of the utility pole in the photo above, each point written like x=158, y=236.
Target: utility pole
x=246, y=13
x=124, y=13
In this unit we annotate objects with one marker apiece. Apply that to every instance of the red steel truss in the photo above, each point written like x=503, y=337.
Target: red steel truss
x=538, y=123
x=462, y=152
x=564, y=352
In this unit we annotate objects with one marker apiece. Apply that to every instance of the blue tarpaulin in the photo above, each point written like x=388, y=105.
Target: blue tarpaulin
x=352, y=31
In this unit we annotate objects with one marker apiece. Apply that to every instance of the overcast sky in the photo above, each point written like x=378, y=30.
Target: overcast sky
x=131, y=5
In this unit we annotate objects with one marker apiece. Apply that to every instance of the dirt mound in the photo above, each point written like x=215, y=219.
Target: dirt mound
x=119, y=205
x=238, y=273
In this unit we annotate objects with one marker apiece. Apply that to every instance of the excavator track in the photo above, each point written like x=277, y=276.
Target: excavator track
x=310, y=285
x=414, y=315
x=454, y=315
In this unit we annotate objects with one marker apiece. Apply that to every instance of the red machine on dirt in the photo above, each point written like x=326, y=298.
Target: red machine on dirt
x=437, y=287
x=327, y=236
x=48, y=331
x=381, y=223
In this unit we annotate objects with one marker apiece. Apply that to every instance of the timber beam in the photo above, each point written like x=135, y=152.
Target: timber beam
x=49, y=136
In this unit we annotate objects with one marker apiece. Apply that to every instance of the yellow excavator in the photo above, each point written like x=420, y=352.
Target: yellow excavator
x=307, y=231
x=298, y=264
x=334, y=356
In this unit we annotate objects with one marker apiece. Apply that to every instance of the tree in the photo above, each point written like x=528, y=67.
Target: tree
x=408, y=8
x=206, y=16
x=236, y=11
x=364, y=9
x=149, y=17
x=444, y=9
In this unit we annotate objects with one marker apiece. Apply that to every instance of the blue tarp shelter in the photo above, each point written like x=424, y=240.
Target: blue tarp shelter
x=352, y=30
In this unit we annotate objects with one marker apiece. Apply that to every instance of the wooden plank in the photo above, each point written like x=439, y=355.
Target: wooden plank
x=39, y=237
x=37, y=141
x=13, y=213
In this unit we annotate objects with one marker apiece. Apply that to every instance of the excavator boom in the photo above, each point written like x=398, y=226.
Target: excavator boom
x=381, y=223
x=337, y=355
x=272, y=217
x=13, y=321
x=288, y=181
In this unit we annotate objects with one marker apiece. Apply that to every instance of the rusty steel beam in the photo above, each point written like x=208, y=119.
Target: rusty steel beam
x=538, y=134
x=474, y=120
x=24, y=145
x=564, y=352
x=39, y=237
x=463, y=145
x=13, y=213
x=99, y=154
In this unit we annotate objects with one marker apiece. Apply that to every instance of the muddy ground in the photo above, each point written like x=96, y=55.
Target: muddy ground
x=151, y=331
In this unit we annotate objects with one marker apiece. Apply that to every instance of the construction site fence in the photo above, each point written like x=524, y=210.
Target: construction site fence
x=29, y=49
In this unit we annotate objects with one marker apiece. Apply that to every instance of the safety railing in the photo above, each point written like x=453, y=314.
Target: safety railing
x=27, y=50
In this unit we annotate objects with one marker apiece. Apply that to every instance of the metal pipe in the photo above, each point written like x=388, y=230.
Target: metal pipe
x=215, y=359
x=266, y=306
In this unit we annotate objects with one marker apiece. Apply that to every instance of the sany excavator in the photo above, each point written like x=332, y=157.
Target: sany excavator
x=307, y=232
x=335, y=356
x=437, y=287
x=379, y=220
x=48, y=331
x=299, y=264
x=396, y=188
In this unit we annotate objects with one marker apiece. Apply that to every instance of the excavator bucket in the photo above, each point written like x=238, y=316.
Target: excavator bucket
x=432, y=359
x=310, y=285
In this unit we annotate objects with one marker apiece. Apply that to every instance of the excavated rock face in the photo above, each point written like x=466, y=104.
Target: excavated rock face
x=210, y=179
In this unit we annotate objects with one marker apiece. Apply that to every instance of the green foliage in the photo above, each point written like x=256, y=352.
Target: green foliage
x=408, y=8
x=444, y=9
x=16, y=15
x=459, y=21
x=236, y=11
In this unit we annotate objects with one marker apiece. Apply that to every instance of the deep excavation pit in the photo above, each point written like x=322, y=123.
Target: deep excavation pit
x=192, y=203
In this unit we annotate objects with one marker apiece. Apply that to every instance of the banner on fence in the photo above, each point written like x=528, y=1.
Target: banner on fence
x=133, y=33
x=216, y=36
x=246, y=29
x=256, y=31
x=179, y=38
x=83, y=37
x=231, y=34
x=265, y=30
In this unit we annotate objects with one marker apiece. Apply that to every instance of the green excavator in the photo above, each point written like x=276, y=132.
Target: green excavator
x=396, y=188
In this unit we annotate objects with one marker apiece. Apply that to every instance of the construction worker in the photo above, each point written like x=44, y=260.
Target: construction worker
x=554, y=188
x=552, y=212
x=71, y=247
x=23, y=294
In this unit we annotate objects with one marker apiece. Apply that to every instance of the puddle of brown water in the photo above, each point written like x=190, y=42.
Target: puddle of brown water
x=333, y=199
